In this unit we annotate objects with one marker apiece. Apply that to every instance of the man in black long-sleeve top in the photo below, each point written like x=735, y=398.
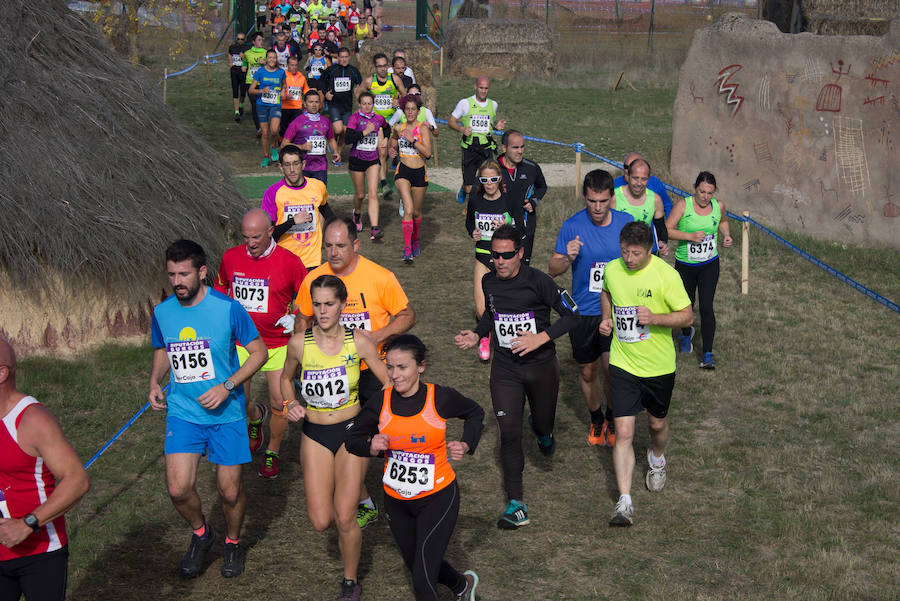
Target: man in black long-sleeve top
x=519, y=299
x=525, y=184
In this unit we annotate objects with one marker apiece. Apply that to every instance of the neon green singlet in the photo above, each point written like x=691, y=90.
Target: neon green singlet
x=384, y=92
x=642, y=213
x=329, y=382
x=481, y=120
x=707, y=249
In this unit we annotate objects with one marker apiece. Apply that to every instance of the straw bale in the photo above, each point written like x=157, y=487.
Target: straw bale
x=515, y=47
x=885, y=9
x=99, y=179
x=830, y=24
x=419, y=56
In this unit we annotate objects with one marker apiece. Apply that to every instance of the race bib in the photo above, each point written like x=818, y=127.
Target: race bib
x=480, y=124
x=382, y=102
x=627, y=328
x=191, y=361
x=326, y=388
x=703, y=250
x=354, y=20
x=252, y=71
x=369, y=142
x=295, y=92
x=315, y=71
x=261, y=9
x=356, y=320
x=408, y=148
x=301, y=228
x=282, y=61
x=252, y=293
x=341, y=84
x=317, y=145
x=508, y=326
x=271, y=97
x=236, y=60
x=595, y=283
x=484, y=223
x=409, y=474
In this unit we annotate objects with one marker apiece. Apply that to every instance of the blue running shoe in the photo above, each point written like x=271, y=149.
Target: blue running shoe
x=514, y=516
x=684, y=342
x=274, y=154
x=546, y=444
x=461, y=196
x=707, y=361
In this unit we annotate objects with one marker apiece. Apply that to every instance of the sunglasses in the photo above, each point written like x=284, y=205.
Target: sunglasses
x=506, y=256
x=489, y=180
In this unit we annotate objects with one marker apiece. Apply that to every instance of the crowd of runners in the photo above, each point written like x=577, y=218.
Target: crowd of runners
x=329, y=328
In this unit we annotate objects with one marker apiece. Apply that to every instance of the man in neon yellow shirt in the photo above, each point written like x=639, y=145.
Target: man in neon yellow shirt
x=643, y=298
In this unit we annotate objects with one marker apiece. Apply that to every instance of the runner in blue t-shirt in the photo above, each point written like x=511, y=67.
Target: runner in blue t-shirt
x=267, y=85
x=194, y=333
x=588, y=241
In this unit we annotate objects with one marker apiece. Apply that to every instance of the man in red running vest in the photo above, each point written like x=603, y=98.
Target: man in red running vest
x=41, y=478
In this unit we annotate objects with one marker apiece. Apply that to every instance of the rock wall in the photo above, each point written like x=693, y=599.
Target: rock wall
x=800, y=130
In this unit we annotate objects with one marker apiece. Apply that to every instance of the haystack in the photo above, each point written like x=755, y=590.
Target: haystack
x=499, y=48
x=420, y=57
x=98, y=179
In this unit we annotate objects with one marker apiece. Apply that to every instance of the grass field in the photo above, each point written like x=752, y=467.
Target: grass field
x=783, y=464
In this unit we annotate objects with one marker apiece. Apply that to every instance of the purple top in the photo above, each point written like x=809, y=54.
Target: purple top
x=366, y=149
x=316, y=128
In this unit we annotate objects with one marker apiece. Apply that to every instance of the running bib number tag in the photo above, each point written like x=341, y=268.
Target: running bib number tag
x=295, y=92
x=261, y=9
x=236, y=60
x=301, y=228
x=271, y=97
x=341, y=84
x=484, y=223
x=627, y=327
x=408, y=148
x=252, y=293
x=191, y=361
x=317, y=145
x=596, y=277
x=369, y=142
x=508, y=326
x=282, y=61
x=252, y=71
x=383, y=102
x=315, y=71
x=480, y=124
x=326, y=388
x=703, y=250
x=409, y=474
x=356, y=320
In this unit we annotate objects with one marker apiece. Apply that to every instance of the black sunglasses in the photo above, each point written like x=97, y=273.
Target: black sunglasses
x=506, y=256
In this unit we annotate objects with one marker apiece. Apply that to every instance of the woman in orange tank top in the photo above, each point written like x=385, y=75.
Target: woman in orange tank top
x=421, y=500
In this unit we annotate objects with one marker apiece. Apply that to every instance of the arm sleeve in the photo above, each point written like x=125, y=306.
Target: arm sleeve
x=540, y=186
x=470, y=215
x=352, y=135
x=282, y=228
x=660, y=189
x=450, y=403
x=325, y=210
x=662, y=232
x=243, y=327
x=395, y=118
x=365, y=426
x=429, y=117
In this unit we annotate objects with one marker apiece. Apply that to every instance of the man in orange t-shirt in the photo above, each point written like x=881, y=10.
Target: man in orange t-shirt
x=295, y=86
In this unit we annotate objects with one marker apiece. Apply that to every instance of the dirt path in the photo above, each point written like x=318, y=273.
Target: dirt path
x=556, y=174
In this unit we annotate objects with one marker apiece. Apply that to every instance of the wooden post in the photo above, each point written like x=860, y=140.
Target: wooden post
x=442, y=62
x=165, y=82
x=578, y=148
x=207, y=70
x=745, y=254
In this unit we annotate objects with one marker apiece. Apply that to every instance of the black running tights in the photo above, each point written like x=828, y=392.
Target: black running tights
x=702, y=278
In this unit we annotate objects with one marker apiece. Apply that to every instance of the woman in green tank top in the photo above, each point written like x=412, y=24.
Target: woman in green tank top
x=695, y=222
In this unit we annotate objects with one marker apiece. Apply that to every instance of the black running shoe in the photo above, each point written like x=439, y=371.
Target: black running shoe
x=233, y=560
x=192, y=562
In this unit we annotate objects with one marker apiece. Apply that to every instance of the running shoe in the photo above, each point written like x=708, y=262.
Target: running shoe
x=265, y=162
x=232, y=560
x=388, y=192
x=357, y=221
x=407, y=255
x=610, y=430
x=514, y=516
x=656, y=476
x=274, y=153
x=597, y=435
x=707, y=361
x=376, y=233
x=471, y=584
x=350, y=591
x=381, y=184
x=255, y=429
x=684, y=342
x=337, y=162
x=546, y=444
x=400, y=210
x=415, y=248
x=484, y=348
x=237, y=117
x=269, y=468
x=623, y=515
x=461, y=195
x=192, y=562
x=366, y=515
x=241, y=110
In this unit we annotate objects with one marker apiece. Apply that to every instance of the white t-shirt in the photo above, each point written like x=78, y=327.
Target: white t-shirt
x=462, y=107
x=429, y=118
x=407, y=71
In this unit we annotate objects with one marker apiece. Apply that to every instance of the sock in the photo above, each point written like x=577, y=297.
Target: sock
x=368, y=503
x=656, y=461
x=626, y=498
x=202, y=530
x=407, y=235
x=417, y=224
x=231, y=541
x=597, y=417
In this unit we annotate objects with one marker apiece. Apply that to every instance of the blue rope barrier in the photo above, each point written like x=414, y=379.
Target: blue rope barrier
x=428, y=37
x=119, y=433
x=183, y=71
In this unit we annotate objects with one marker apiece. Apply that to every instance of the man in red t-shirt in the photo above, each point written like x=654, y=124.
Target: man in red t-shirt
x=264, y=278
x=33, y=543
